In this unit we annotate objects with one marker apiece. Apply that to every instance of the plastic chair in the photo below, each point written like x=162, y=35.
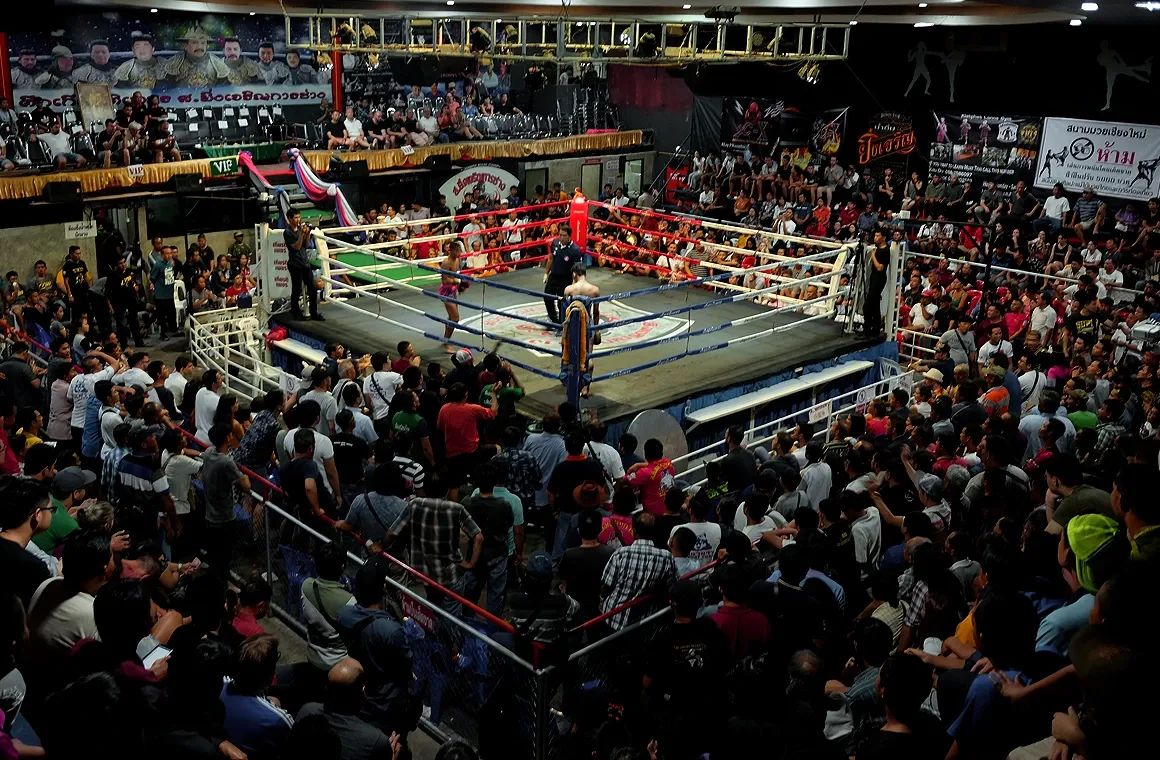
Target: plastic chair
x=180, y=303
x=299, y=567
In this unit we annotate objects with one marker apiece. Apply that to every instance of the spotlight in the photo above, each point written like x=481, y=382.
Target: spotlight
x=479, y=40
x=809, y=72
x=1074, y=22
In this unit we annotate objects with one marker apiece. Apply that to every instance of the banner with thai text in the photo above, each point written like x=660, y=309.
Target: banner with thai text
x=889, y=141
x=184, y=59
x=980, y=148
x=1117, y=160
x=480, y=179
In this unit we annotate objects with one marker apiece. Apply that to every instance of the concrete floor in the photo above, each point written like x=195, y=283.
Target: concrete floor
x=364, y=324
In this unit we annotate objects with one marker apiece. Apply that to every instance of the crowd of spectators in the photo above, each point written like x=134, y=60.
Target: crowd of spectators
x=139, y=133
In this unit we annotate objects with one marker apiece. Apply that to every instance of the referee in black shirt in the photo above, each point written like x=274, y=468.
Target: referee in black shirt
x=558, y=275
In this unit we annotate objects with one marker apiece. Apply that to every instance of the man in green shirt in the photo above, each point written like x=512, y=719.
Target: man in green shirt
x=1077, y=410
x=239, y=249
x=68, y=492
x=511, y=392
x=409, y=426
x=1072, y=496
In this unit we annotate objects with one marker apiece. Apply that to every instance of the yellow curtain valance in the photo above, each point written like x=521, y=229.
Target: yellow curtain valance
x=97, y=180
x=378, y=160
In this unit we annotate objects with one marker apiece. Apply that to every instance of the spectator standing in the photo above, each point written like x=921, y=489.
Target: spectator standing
x=634, y=570
x=221, y=476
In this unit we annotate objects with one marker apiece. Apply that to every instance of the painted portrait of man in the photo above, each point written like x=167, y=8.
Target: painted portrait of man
x=144, y=69
x=273, y=72
x=242, y=69
x=99, y=68
x=194, y=66
x=24, y=74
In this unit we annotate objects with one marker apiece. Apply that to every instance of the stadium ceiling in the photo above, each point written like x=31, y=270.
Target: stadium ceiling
x=788, y=32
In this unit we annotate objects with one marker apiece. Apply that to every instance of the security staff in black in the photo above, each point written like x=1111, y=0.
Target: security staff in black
x=559, y=270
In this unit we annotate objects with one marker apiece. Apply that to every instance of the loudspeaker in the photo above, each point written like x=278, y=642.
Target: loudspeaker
x=438, y=162
x=356, y=170
x=187, y=183
x=62, y=192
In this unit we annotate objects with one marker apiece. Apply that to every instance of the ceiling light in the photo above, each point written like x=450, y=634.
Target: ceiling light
x=1148, y=6
x=152, y=10
x=922, y=5
x=1074, y=22
x=686, y=7
x=923, y=24
x=451, y=2
x=1089, y=6
x=853, y=23
x=253, y=13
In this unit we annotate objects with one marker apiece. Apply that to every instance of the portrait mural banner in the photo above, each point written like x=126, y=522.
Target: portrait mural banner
x=981, y=148
x=751, y=123
x=1117, y=160
x=183, y=59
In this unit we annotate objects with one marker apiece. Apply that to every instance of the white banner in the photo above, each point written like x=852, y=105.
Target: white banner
x=274, y=264
x=1117, y=160
x=80, y=230
x=483, y=178
x=821, y=412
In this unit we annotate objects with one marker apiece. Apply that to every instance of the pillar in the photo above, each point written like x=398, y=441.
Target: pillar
x=336, y=93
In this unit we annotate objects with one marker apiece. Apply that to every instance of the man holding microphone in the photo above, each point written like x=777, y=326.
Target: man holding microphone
x=297, y=237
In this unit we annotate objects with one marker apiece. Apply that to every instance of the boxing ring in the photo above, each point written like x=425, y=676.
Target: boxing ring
x=745, y=313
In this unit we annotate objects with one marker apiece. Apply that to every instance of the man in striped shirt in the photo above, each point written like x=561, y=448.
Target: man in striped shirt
x=143, y=488
x=1088, y=214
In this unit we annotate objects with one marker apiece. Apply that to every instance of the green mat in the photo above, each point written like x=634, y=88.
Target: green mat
x=365, y=260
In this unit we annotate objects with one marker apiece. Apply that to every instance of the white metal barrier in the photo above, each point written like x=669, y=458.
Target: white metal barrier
x=822, y=411
x=230, y=341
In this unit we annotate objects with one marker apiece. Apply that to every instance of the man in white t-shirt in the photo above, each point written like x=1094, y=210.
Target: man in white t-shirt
x=1043, y=317
x=81, y=388
x=184, y=368
x=320, y=394
x=1054, y=210
x=61, y=610
x=206, y=404
x=995, y=345
x=1092, y=256
x=136, y=374
x=1113, y=279
x=430, y=125
x=354, y=131
x=378, y=389
x=1031, y=382
x=473, y=225
x=59, y=146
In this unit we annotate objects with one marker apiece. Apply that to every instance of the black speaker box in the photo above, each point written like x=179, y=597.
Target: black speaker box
x=187, y=183
x=356, y=169
x=438, y=162
x=62, y=192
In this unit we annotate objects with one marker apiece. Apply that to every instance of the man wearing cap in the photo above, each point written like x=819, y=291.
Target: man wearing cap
x=194, y=66
x=60, y=74
x=99, y=69
x=997, y=400
x=558, y=273
x=1091, y=551
x=69, y=490
x=143, y=69
x=538, y=607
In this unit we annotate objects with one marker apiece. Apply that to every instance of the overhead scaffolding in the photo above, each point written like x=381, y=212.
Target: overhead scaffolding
x=571, y=40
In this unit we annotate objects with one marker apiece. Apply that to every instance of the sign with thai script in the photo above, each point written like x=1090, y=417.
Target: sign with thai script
x=873, y=146
x=481, y=178
x=1117, y=160
x=80, y=230
x=415, y=610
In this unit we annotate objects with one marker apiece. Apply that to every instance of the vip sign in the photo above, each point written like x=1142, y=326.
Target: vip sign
x=485, y=178
x=226, y=166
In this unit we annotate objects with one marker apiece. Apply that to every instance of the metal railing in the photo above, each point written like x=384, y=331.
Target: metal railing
x=228, y=341
x=827, y=411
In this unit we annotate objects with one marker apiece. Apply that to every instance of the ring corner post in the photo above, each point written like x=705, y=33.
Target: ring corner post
x=578, y=220
x=323, y=262
x=573, y=354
